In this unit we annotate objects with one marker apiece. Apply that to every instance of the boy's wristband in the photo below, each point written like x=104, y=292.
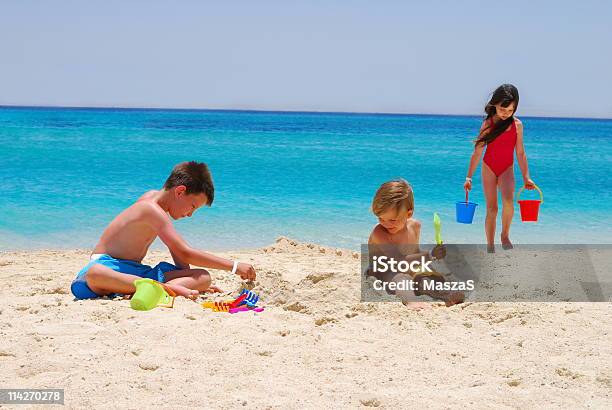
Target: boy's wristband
x=468, y=179
x=235, y=267
x=431, y=255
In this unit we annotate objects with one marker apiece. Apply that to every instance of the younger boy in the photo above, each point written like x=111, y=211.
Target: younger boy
x=397, y=236
x=116, y=260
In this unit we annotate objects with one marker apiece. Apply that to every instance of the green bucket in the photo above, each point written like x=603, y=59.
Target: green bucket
x=149, y=294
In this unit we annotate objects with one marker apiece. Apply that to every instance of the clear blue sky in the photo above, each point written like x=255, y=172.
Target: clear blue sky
x=353, y=55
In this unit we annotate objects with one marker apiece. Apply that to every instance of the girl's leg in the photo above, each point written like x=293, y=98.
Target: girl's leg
x=489, y=186
x=506, y=186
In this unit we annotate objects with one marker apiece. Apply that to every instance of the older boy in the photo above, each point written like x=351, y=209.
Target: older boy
x=116, y=260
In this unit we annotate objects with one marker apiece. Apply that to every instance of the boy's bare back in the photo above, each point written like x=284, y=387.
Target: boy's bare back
x=131, y=233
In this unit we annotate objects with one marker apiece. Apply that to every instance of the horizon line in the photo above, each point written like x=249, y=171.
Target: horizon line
x=253, y=110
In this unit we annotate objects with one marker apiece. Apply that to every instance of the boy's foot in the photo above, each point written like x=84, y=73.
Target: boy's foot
x=454, y=298
x=449, y=297
x=506, y=244
x=416, y=305
x=183, y=291
x=490, y=248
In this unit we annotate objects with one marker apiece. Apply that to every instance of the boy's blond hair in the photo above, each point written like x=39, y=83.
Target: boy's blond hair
x=396, y=194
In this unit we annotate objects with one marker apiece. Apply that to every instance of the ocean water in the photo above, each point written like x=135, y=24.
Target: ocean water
x=65, y=173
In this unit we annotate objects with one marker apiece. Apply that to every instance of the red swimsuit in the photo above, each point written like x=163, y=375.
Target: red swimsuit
x=500, y=152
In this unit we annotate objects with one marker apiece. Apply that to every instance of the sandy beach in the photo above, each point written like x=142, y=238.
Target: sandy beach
x=315, y=345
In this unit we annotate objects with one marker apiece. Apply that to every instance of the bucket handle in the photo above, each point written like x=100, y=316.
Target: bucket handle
x=536, y=187
x=171, y=293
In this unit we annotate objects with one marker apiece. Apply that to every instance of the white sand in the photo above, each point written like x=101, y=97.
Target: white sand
x=314, y=346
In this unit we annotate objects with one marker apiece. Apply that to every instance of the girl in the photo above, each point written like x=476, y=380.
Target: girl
x=502, y=134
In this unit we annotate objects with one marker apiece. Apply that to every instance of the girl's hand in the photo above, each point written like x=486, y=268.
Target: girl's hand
x=529, y=184
x=467, y=186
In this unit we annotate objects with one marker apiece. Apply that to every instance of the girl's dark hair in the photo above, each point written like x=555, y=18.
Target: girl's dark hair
x=505, y=95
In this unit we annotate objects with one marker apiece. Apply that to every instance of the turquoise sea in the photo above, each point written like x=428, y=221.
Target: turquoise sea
x=65, y=173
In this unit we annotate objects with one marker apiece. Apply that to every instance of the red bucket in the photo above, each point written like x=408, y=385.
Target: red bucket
x=530, y=207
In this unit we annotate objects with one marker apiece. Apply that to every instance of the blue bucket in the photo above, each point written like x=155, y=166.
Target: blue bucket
x=465, y=212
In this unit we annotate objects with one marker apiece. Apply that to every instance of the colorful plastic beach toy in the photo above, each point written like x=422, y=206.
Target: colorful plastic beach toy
x=150, y=294
x=246, y=309
x=245, y=302
x=238, y=300
x=530, y=207
x=251, y=298
x=437, y=228
x=223, y=306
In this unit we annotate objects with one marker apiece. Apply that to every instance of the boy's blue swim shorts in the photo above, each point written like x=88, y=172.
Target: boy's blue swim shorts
x=79, y=287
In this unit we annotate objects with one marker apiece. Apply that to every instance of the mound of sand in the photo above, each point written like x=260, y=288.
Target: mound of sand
x=316, y=345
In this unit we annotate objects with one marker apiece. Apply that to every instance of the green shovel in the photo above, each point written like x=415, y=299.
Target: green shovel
x=438, y=228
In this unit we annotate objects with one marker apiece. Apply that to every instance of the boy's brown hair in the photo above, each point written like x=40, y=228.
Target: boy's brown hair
x=396, y=194
x=195, y=176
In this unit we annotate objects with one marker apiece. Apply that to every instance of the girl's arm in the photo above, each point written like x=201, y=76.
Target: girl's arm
x=474, y=160
x=521, y=156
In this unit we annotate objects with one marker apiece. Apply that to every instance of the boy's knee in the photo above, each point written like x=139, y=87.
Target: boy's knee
x=202, y=278
x=492, y=209
x=95, y=279
x=94, y=274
